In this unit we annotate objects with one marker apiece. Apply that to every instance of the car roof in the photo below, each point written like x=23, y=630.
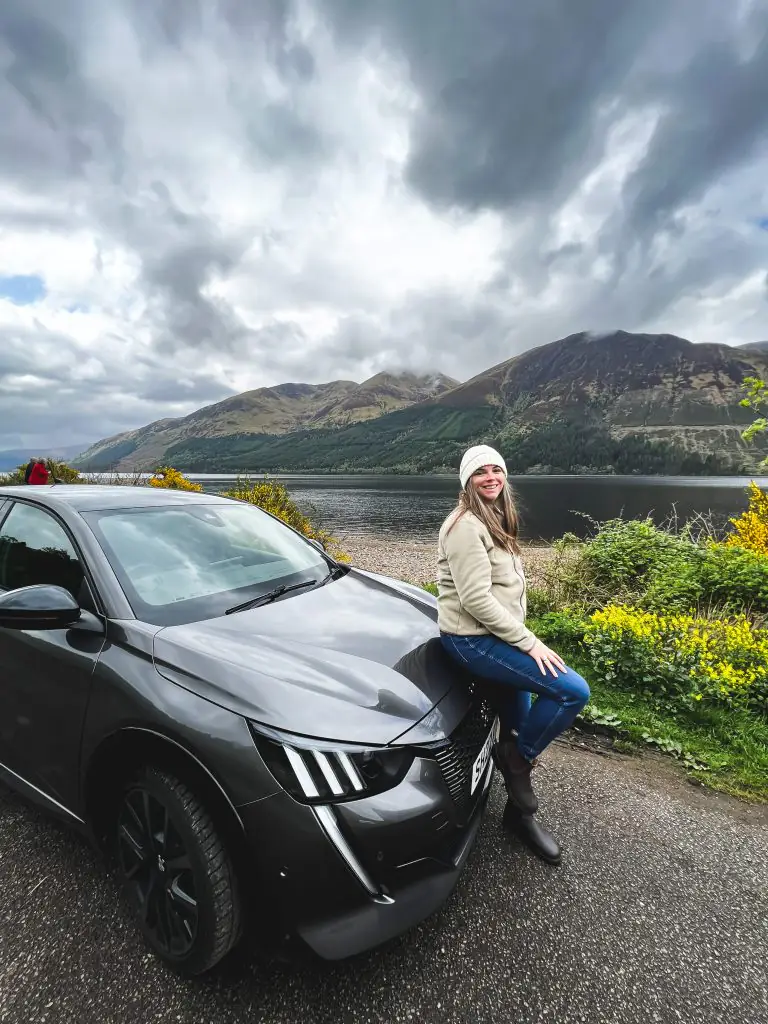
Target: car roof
x=96, y=497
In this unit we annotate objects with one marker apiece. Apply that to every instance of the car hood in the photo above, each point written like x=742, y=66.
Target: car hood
x=357, y=660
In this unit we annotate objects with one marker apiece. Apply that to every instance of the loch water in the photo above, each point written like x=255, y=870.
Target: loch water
x=415, y=506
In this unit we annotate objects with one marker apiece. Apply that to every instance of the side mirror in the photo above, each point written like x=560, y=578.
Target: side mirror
x=38, y=607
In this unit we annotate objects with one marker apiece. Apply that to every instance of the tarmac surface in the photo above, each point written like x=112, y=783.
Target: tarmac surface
x=659, y=913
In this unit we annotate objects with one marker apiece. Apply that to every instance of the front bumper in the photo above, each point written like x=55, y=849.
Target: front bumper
x=421, y=889
x=349, y=877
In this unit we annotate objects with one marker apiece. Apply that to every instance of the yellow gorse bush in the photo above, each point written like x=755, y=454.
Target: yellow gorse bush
x=750, y=529
x=681, y=656
x=171, y=478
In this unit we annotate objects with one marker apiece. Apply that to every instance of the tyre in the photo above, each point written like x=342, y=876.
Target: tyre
x=176, y=872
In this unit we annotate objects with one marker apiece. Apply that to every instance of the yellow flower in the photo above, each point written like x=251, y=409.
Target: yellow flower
x=750, y=529
x=172, y=479
x=725, y=659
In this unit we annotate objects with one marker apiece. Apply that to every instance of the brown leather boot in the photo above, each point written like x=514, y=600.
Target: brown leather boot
x=528, y=831
x=517, y=776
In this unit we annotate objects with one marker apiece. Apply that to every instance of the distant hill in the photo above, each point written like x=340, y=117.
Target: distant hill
x=618, y=402
x=760, y=346
x=272, y=411
x=11, y=458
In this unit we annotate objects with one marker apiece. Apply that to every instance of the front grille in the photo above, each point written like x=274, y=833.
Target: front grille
x=459, y=753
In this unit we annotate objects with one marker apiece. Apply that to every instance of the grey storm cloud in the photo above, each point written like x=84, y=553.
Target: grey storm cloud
x=511, y=91
x=130, y=122
x=53, y=122
x=200, y=391
x=177, y=266
x=517, y=100
x=515, y=94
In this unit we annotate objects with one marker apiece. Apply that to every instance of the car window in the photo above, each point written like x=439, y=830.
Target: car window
x=187, y=562
x=34, y=548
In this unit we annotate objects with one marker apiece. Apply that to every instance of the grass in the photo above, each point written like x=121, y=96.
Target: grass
x=724, y=749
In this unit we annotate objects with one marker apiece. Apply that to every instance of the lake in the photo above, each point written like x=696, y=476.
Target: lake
x=415, y=506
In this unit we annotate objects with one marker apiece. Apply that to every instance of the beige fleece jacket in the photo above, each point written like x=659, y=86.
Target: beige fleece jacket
x=481, y=587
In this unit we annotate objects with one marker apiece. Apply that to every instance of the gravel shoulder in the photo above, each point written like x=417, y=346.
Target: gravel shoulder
x=416, y=560
x=659, y=913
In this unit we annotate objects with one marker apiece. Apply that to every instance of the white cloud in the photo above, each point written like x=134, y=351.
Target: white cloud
x=225, y=205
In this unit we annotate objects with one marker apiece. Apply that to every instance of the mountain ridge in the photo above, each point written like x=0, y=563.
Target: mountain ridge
x=610, y=402
x=280, y=409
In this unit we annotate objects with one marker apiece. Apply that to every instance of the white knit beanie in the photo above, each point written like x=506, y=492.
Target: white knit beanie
x=474, y=458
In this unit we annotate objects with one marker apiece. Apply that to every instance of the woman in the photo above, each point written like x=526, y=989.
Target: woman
x=481, y=615
x=38, y=474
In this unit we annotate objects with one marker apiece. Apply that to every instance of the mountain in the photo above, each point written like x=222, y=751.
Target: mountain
x=267, y=411
x=615, y=402
x=641, y=381
x=624, y=387
x=760, y=346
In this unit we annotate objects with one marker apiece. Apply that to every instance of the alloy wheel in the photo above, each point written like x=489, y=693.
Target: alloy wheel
x=157, y=870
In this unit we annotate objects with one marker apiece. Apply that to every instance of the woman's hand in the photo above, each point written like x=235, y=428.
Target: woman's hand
x=546, y=659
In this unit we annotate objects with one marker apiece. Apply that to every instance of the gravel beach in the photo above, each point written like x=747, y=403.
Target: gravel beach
x=416, y=560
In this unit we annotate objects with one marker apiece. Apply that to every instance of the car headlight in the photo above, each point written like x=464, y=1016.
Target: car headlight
x=317, y=772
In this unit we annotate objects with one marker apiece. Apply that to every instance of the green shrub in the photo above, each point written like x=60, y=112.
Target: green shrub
x=540, y=601
x=561, y=581
x=563, y=629
x=735, y=578
x=639, y=563
x=63, y=473
x=625, y=553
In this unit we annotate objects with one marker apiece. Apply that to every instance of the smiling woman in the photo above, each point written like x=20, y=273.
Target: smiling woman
x=482, y=610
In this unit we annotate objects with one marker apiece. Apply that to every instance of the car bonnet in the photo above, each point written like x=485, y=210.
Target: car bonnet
x=353, y=661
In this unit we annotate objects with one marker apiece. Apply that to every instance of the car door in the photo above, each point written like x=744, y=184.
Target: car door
x=45, y=675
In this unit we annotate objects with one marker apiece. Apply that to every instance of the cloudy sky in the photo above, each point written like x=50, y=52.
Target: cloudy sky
x=203, y=196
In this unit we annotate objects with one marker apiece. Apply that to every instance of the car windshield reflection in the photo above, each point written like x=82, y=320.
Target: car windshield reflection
x=182, y=563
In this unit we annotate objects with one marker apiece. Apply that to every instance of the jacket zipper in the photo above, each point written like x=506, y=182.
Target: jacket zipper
x=521, y=577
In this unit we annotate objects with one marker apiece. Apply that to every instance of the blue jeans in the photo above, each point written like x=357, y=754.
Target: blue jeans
x=559, y=700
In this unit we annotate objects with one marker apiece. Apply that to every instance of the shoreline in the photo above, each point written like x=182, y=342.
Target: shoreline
x=415, y=559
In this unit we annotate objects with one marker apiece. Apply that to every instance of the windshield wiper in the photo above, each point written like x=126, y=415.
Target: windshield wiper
x=271, y=595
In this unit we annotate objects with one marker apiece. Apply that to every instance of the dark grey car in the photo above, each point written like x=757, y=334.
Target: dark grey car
x=252, y=729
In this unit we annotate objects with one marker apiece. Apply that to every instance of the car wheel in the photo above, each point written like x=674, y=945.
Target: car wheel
x=176, y=872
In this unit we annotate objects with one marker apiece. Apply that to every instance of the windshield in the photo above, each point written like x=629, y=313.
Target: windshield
x=182, y=563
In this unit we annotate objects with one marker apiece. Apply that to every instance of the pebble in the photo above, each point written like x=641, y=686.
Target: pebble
x=415, y=559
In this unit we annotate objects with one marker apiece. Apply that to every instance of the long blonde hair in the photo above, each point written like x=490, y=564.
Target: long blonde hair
x=499, y=517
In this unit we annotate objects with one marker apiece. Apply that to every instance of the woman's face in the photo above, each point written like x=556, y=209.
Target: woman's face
x=488, y=481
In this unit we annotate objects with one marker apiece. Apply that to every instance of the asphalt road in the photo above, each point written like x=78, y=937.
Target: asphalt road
x=659, y=913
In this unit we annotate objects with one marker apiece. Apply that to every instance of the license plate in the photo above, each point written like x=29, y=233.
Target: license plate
x=482, y=759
